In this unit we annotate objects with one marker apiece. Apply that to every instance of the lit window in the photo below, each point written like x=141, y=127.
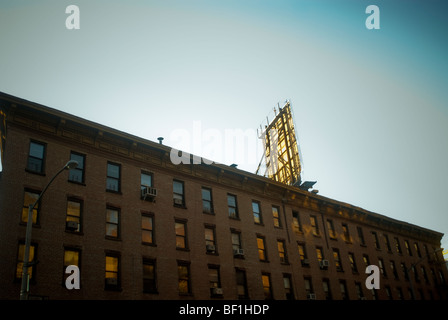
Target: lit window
x=30, y=198
x=276, y=216
x=147, y=229
x=112, y=274
x=73, y=217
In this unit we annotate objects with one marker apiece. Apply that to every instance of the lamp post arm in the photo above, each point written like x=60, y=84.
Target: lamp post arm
x=29, y=229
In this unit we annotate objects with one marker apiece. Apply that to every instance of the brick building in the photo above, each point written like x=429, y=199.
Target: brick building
x=140, y=227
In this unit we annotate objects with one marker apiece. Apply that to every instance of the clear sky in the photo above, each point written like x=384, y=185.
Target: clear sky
x=370, y=106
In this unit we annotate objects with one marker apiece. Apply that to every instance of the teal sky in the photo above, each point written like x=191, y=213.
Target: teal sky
x=370, y=106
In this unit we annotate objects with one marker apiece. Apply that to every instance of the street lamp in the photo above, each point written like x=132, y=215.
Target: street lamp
x=72, y=164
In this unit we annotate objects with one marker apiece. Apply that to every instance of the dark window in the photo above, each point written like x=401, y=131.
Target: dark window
x=77, y=174
x=241, y=284
x=256, y=211
x=113, y=177
x=296, y=224
x=149, y=276
x=232, y=205
x=36, y=157
x=207, y=204
x=145, y=180
x=314, y=226
x=178, y=193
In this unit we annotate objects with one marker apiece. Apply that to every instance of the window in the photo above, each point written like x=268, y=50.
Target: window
x=330, y=227
x=361, y=236
x=214, y=280
x=319, y=254
x=408, y=247
x=375, y=240
x=236, y=241
x=387, y=242
x=359, y=292
x=36, y=157
x=337, y=260
x=232, y=205
x=276, y=216
x=303, y=256
x=77, y=174
x=30, y=198
x=112, y=271
x=366, y=260
x=326, y=288
x=181, y=234
x=381, y=266
x=394, y=269
x=146, y=180
x=266, y=280
x=71, y=257
x=113, y=177
x=207, y=204
x=397, y=245
x=112, y=223
x=241, y=284
x=296, y=224
x=149, y=276
x=261, y=248
x=21, y=259
x=346, y=233
x=417, y=249
x=314, y=226
x=308, y=287
x=282, y=251
x=73, y=217
x=147, y=228
x=183, y=272
x=210, y=244
x=351, y=258
x=343, y=288
x=287, y=283
x=256, y=211
x=405, y=270
x=178, y=193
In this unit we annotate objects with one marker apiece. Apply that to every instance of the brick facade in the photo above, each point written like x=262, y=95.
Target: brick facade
x=155, y=270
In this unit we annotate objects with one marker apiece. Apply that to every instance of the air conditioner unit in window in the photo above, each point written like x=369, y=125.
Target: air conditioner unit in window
x=149, y=193
x=72, y=225
x=238, y=252
x=323, y=264
x=210, y=248
x=311, y=296
x=217, y=291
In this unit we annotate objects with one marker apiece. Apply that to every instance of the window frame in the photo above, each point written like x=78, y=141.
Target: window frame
x=79, y=168
x=117, y=224
x=42, y=160
x=110, y=178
